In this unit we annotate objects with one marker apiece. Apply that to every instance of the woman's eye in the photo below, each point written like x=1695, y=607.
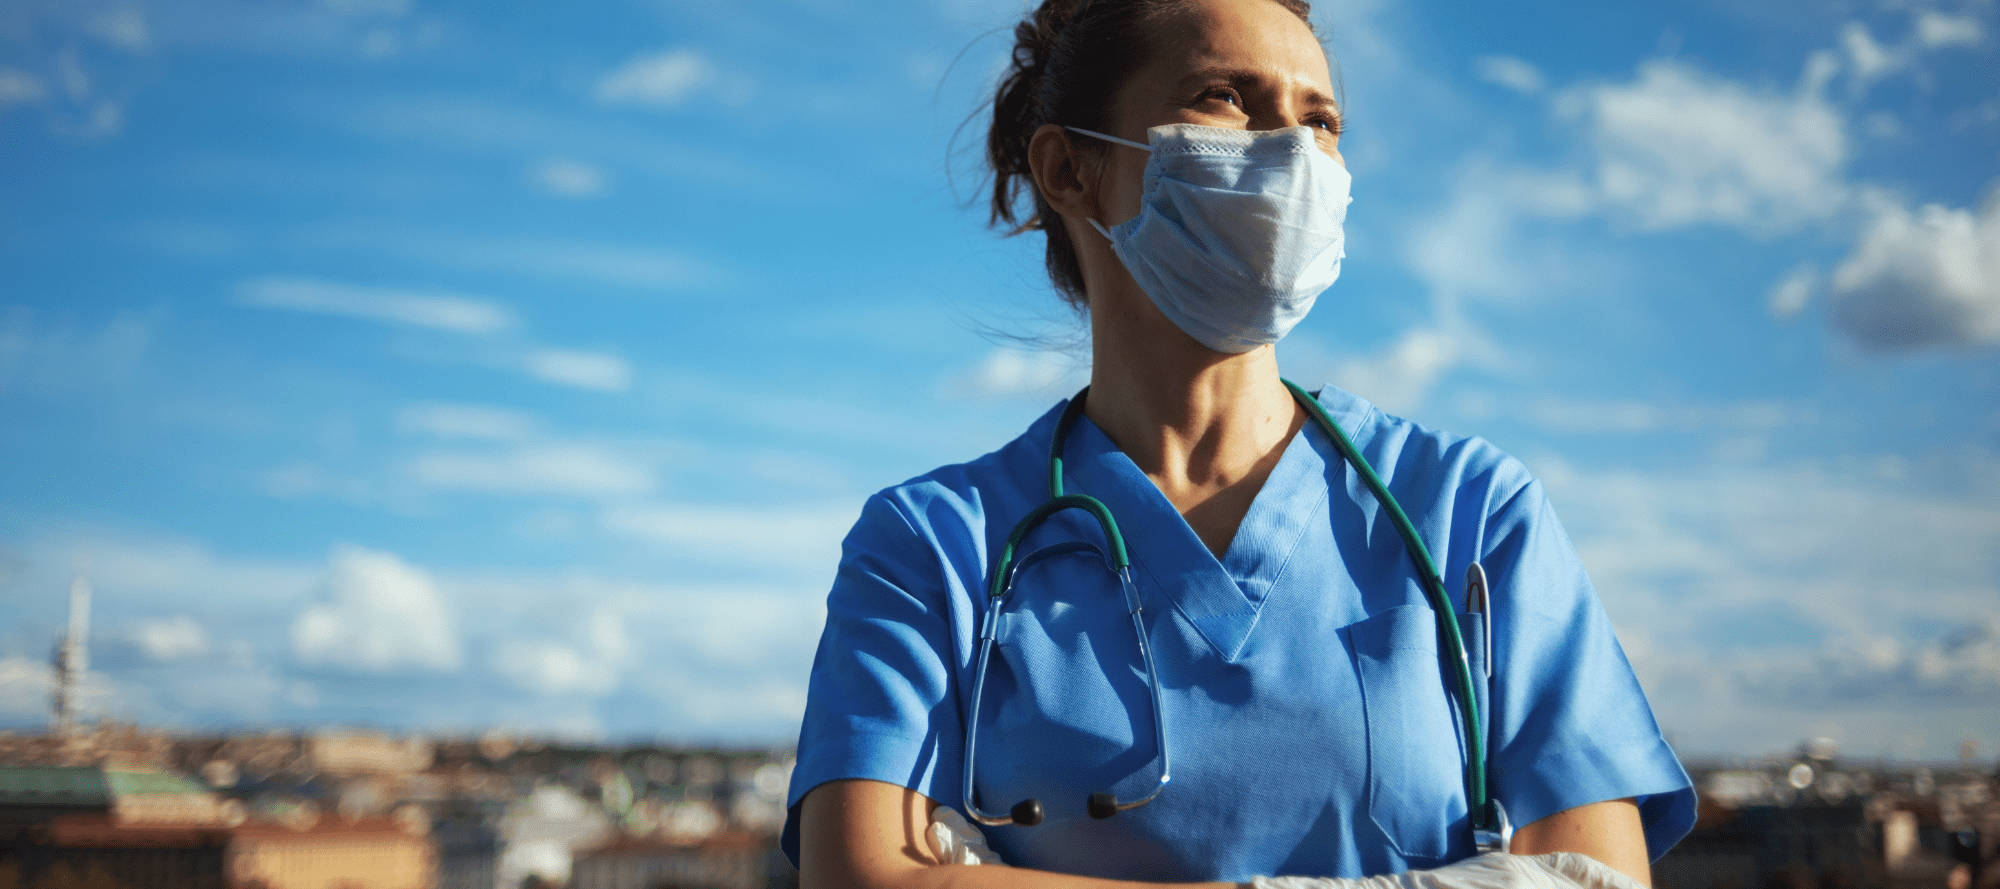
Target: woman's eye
x=1226, y=96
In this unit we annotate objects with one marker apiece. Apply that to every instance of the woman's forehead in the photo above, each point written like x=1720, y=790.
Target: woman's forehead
x=1242, y=38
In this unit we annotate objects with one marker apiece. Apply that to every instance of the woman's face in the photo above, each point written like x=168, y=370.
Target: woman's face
x=1240, y=64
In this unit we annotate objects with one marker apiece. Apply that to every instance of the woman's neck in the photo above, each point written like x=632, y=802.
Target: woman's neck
x=1205, y=426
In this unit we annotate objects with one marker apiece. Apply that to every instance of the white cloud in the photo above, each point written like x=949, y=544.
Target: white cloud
x=383, y=8
x=1867, y=59
x=25, y=686
x=383, y=615
x=1400, y=377
x=601, y=263
x=439, y=311
x=20, y=88
x=1728, y=583
x=466, y=421
x=568, y=178
x=582, y=369
x=591, y=666
x=50, y=352
x=72, y=76
x=553, y=668
x=123, y=27
x=1011, y=372
x=806, y=538
x=1963, y=664
x=1678, y=147
x=1512, y=73
x=1925, y=278
x=1474, y=246
x=172, y=638
x=1936, y=29
x=1581, y=416
x=160, y=576
x=565, y=469
x=729, y=659
x=657, y=80
x=1789, y=295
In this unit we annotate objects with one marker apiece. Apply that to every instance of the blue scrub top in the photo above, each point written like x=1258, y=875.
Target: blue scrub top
x=1307, y=711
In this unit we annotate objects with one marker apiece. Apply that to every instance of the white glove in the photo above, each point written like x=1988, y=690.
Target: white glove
x=1494, y=870
x=955, y=841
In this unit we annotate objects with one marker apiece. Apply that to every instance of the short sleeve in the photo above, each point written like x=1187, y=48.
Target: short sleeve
x=1570, y=724
x=881, y=698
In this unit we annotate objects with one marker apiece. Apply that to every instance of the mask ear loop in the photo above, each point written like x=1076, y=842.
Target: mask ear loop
x=1114, y=139
x=1125, y=142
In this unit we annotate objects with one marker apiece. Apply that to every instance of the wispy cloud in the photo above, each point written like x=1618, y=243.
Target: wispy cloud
x=615, y=264
x=124, y=27
x=1960, y=665
x=172, y=639
x=656, y=80
x=466, y=421
x=1400, y=376
x=1868, y=60
x=439, y=311
x=1512, y=73
x=55, y=353
x=20, y=88
x=1680, y=147
x=567, y=178
x=589, y=665
x=1729, y=581
x=1791, y=293
x=1009, y=372
x=573, y=470
x=810, y=535
x=1633, y=417
x=582, y=369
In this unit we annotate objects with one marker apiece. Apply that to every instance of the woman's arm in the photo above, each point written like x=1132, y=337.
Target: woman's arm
x=1609, y=831
x=859, y=834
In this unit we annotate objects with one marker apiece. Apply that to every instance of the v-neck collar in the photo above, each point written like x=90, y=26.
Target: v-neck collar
x=1221, y=598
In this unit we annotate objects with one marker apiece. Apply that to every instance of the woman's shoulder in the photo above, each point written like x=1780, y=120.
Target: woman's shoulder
x=969, y=490
x=1400, y=447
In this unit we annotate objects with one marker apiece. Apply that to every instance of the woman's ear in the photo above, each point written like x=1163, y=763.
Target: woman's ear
x=1059, y=174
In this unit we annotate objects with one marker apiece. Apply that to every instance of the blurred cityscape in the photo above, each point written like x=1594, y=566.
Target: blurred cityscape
x=119, y=806
x=106, y=805
x=110, y=806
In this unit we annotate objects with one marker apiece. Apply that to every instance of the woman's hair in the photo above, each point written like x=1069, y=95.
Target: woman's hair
x=1070, y=58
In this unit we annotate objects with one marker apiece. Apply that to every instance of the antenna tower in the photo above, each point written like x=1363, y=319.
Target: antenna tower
x=72, y=658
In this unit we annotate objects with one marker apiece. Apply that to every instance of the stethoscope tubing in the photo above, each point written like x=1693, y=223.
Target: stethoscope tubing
x=1433, y=584
x=1488, y=820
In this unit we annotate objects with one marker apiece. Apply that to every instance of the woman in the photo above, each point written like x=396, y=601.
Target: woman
x=1183, y=161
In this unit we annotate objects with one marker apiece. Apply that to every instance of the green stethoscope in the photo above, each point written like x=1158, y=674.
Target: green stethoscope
x=1491, y=830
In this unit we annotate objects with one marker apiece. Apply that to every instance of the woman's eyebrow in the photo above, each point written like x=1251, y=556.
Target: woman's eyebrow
x=1242, y=77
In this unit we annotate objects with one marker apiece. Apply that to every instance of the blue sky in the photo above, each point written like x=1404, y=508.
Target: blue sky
x=446, y=365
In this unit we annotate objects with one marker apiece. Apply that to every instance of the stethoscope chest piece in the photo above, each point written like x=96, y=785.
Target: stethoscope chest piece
x=1008, y=568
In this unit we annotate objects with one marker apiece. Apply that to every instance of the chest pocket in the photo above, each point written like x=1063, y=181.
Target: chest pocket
x=1066, y=711
x=1416, y=760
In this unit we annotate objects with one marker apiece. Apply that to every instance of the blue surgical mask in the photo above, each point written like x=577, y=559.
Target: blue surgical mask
x=1238, y=231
